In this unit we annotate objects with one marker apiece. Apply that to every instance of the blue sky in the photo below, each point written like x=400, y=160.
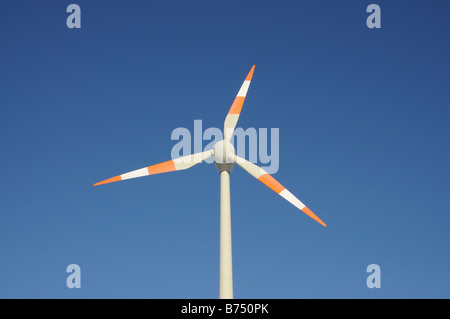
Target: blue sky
x=364, y=142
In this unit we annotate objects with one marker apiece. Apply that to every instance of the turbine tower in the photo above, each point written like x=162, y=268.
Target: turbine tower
x=225, y=157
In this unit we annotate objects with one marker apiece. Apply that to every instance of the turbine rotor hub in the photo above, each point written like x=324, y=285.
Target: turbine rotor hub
x=224, y=153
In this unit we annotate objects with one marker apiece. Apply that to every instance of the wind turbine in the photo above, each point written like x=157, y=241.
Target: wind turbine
x=225, y=157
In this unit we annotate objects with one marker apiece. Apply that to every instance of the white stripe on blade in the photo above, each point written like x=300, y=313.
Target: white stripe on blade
x=244, y=88
x=251, y=168
x=136, y=173
x=230, y=123
x=292, y=199
x=190, y=160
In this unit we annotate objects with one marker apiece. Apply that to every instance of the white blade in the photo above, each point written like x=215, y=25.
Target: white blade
x=177, y=164
x=235, y=110
x=265, y=178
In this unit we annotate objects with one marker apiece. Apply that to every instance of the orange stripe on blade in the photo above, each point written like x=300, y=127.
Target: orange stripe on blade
x=250, y=74
x=271, y=182
x=308, y=212
x=164, y=167
x=237, y=105
x=109, y=180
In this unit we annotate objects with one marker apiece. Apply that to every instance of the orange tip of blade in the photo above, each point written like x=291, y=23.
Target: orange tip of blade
x=250, y=74
x=109, y=180
x=308, y=212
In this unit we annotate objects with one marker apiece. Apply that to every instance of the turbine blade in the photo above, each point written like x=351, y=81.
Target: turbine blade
x=177, y=164
x=273, y=184
x=235, y=110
